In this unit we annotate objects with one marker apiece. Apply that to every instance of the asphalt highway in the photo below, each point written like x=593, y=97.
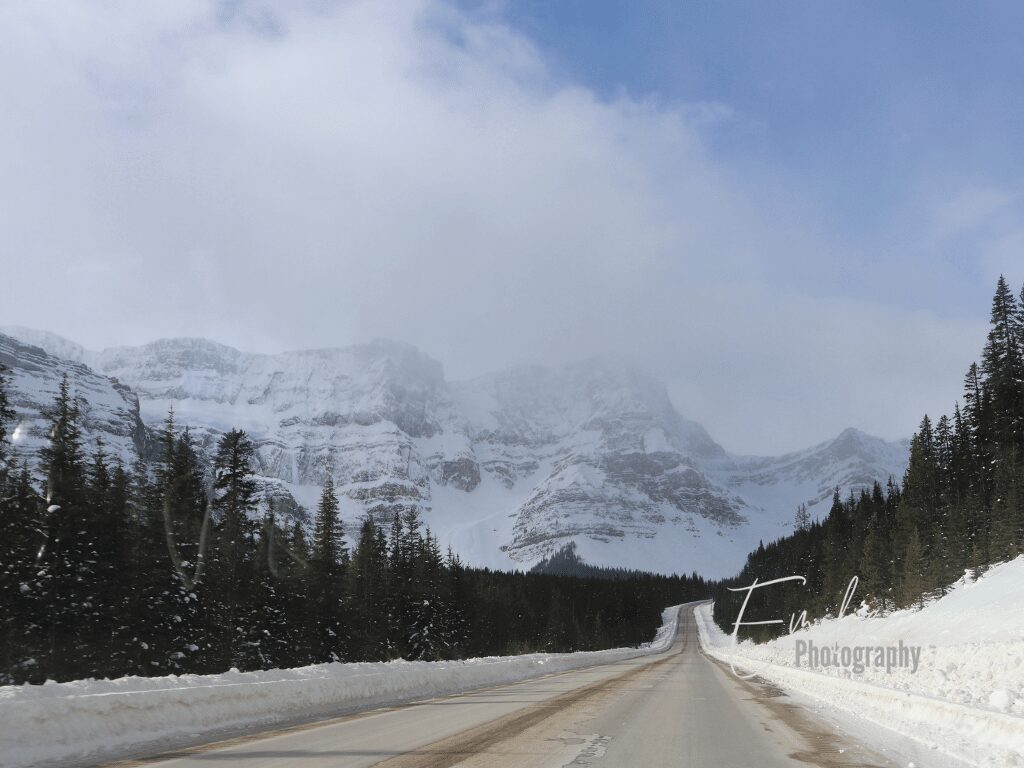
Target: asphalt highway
x=677, y=708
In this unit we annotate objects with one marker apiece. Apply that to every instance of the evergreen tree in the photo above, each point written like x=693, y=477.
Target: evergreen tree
x=66, y=558
x=22, y=583
x=301, y=617
x=185, y=508
x=1002, y=367
x=835, y=556
x=1006, y=518
x=6, y=417
x=234, y=487
x=876, y=563
x=61, y=458
x=914, y=577
x=270, y=635
x=102, y=529
x=802, y=520
x=367, y=575
x=427, y=633
x=235, y=501
x=328, y=559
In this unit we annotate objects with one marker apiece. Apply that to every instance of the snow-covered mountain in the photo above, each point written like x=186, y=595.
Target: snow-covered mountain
x=109, y=409
x=506, y=468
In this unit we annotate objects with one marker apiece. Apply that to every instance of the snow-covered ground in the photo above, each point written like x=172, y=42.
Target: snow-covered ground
x=964, y=701
x=102, y=719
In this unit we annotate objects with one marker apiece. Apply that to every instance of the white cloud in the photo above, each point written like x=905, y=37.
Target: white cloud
x=327, y=173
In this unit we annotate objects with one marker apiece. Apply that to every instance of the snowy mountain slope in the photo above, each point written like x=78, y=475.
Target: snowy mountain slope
x=353, y=413
x=506, y=468
x=605, y=455
x=851, y=461
x=109, y=409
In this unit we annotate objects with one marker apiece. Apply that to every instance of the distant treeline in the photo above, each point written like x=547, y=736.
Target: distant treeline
x=108, y=570
x=960, y=505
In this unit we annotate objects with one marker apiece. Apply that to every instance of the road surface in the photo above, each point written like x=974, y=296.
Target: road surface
x=677, y=708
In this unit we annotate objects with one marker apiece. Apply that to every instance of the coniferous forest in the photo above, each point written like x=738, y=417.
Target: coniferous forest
x=109, y=570
x=165, y=567
x=960, y=506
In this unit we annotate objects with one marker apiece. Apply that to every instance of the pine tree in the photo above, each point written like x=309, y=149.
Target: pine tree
x=66, y=560
x=235, y=501
x=165, y=470
x=186, y=508
x=976, y=416
x=366, y=579
x=269, y=639
x=149, y=572
x=1002, y=367
x=100, y=536
x=327, y=567
x=460, y=606
x=397, y=584
x=835, y=560
x=61, y=458
x=802, y=520
x=876, y=563
x=22, y=583
x=427, y=635
x=914, y=577
x=234, y=487
x=301, y=613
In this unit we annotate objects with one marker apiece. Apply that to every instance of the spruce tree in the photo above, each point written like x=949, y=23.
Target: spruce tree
x=427, y=635
x=23, y=598
x=1002, y=368
x=802, y=521
x=460, y=611
x=235, y=501
x=366, y=579
x=876, y=563
x=269, y=639
x=66, y=558
x=327, y=567
x=914, y=580
x=185, y=509
x=301, y=615
x=835, y=556
x=100, y=537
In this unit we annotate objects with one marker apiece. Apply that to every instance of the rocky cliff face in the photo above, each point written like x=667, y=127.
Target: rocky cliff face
x=600, y=452
x=110, y=410
x=507, y=468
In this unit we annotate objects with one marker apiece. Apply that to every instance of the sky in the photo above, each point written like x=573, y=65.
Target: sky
x=792, y=213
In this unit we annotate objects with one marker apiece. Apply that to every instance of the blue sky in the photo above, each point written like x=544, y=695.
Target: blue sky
x=863, y=108
x=793, y=214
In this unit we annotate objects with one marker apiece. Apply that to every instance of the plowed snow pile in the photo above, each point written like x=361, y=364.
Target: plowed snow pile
x=966, y=697
x=99, y=719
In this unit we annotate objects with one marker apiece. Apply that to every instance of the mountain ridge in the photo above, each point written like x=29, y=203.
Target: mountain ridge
x=507, y=468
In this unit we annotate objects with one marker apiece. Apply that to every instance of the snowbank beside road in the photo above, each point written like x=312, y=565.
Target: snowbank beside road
x=966, y=698
x=101, y=719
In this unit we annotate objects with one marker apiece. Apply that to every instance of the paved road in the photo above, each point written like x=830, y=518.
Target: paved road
x=677, y=708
